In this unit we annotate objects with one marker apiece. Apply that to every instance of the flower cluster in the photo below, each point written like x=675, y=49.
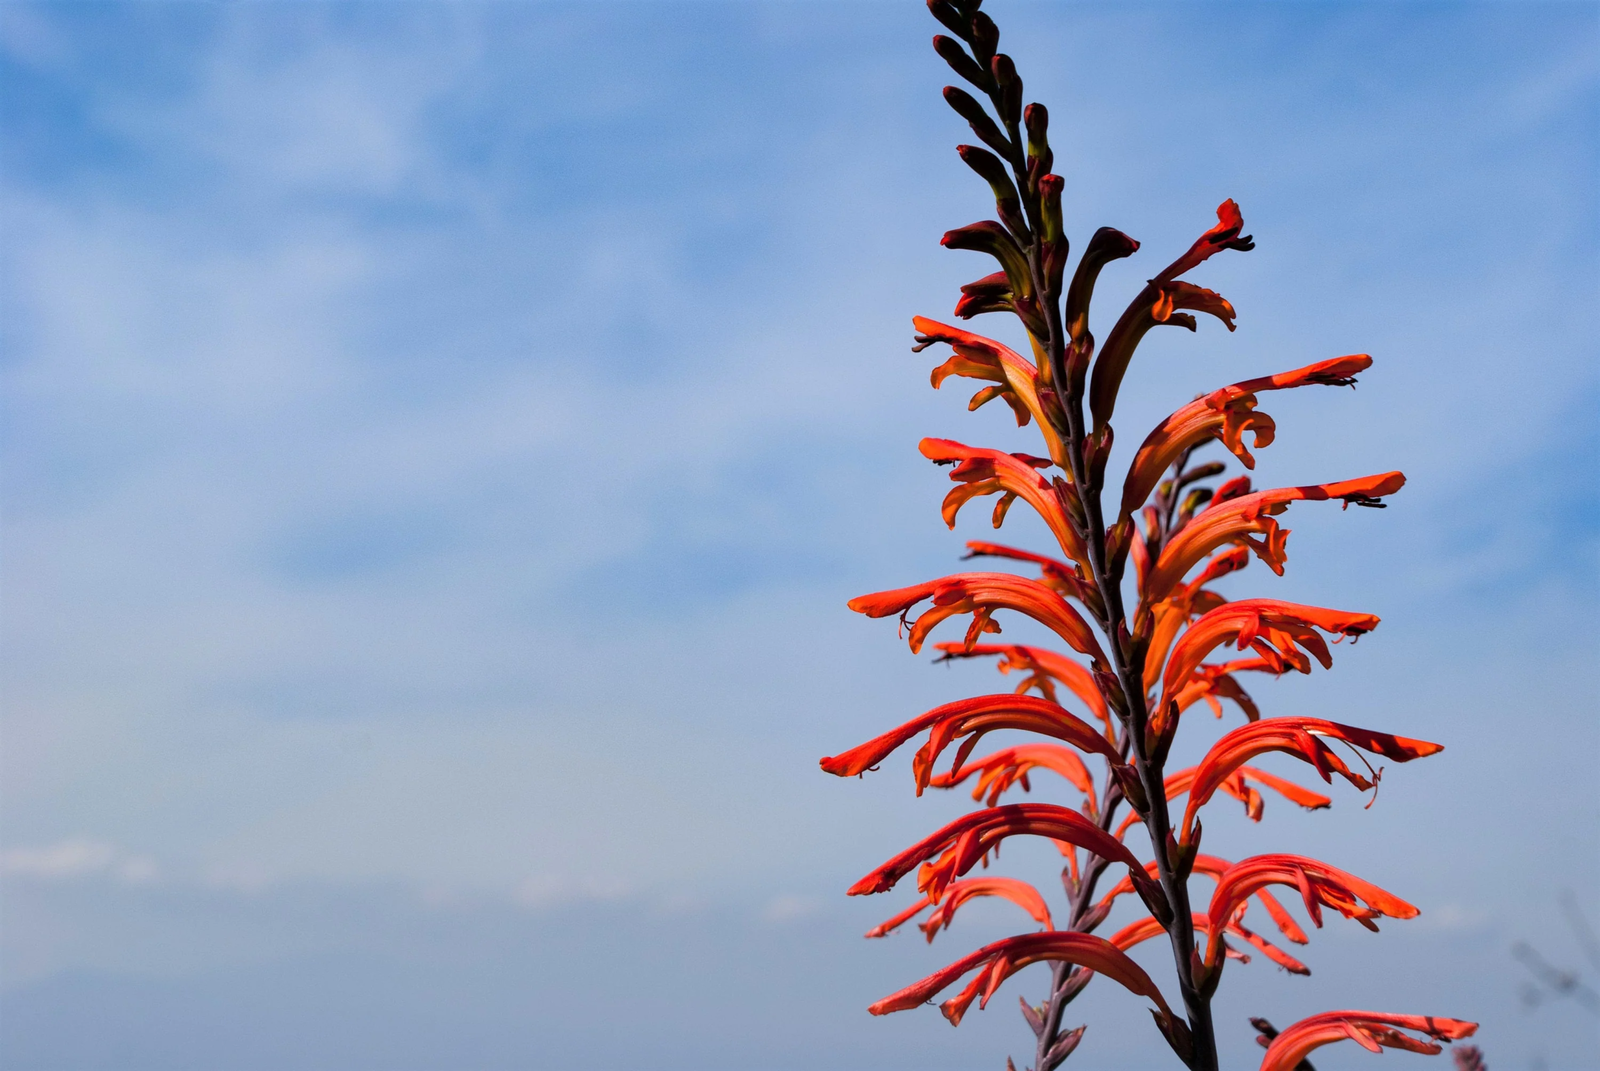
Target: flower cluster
x=1137, y=666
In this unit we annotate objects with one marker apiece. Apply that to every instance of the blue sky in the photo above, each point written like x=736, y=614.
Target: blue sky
x=440, y=441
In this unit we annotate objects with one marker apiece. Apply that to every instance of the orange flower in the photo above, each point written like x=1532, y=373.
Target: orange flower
x=1373, y=1031
x=1015, y=378
x=1012, y=476
x=1010, y=766
x=981, y=594
x=1318, y=883
x=1277, y=631
x=1236, y=784
x=1237, y=520
x=1225, y=235
x=970, y=718
x=1302, y=738
x=1156, y=304
x=962, y=843
x=1225, y=414
x=1020, y=893
x=1213, y=683
x=1144, y=929
x=1213, y=867
x=1169, y=616
x=1045, y=669
x=1002, y=959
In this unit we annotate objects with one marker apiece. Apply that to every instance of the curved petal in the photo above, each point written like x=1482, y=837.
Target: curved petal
x=1240, y=518
x=981, y=594
x=970, y=718
x=1276, y=630
x=1302, y=738
x=1018, y=892
x=977, y=357
x=1002, y=769
x=1041, y=661
x=986, y=472
x=1224, y=414
x=1004, y=958
x=960, y=844
x=1372, y=1030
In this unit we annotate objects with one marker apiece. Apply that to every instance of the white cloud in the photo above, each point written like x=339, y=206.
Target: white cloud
x=78, y=858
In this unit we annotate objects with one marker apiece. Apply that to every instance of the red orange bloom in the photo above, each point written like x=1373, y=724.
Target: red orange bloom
x=1318, y=883
x=1045, y=669
x=970, y=718
x=1225, y=235
x=1002, y=769
x=1374, y=1031
x=1237, y=784
x=981, y=594
x=1020, y=893
x=1301, y=737
x=1277, y=631
x=1002, y=959
x=1015, y=378
x=986, y=472
x=1225, y=414
x=1238, y=520
x=962, y=843
x=1144, y=929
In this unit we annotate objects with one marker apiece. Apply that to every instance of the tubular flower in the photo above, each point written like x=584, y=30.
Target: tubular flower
x=1318, y=883
x=1373, y=1031
x=1213, y=683
x=1045, y=669
x=1002, y=959
x=1056, y=574
x=1012, y=476
x=1236, y=784
x=981, y=594
x=1304, y=739
x=1213, y=867
x=962, y=843
x=1020, y=893
x=1010, y=766
x=1138, y=932
x=1237, y=520
x=1014, y=377
x=1225, y=414
x=1156, y=304
x=1275, y=630
x=970, y=718
x=1225, y=235
x=1169, y=616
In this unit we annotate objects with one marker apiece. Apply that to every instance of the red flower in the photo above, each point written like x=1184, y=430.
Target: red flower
x=1155, y=305
x=1020, y=893
x=1045, y=669
x=1012, y=476
x=971, y=718
x=1236, y=784
x=1213, y=867
x=1224, y=414
x=1373, y=1031
x=1137, y=932
x=962, y=843
x=1277, y=631
x=1225, y=235
x=1302, y=738
x=1002, y=959
x=1318, y=883
x=1237, y=520
x=1015, y=378
x=981, y=594
x=1010, y=766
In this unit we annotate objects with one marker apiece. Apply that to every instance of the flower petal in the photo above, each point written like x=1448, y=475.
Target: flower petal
x=1293, y=1045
